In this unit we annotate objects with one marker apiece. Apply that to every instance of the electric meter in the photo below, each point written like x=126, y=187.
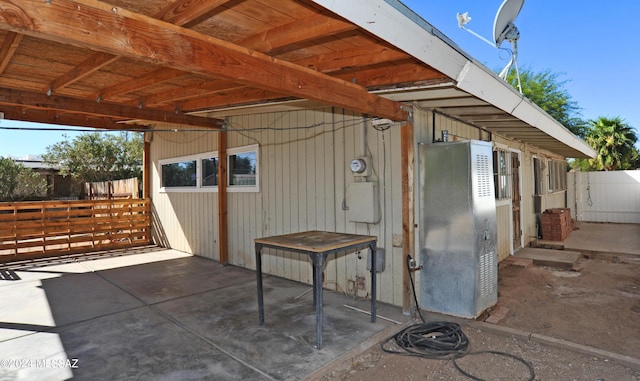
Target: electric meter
x=358, y=165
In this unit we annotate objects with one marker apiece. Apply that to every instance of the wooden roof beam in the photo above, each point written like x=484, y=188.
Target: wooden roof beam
x=235, y=97
x=201, y=90
x=149, y=79
x=8, y=49
x=407, y=72
x=180, y=12
x=351, y=58
x=56, y=118
x=280, y=37
x=266, y=42
x=27, y=99
x=188, y=13
x=103, y=27
x=90, y=65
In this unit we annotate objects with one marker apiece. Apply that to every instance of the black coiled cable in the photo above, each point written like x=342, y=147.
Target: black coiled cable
x=434, y=340
x=438, y=340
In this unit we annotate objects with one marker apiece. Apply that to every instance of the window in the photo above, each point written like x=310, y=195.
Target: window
x=179, y=174
x=210, y=171
x=243, y=167
x=557, y=175
x=199, y=173
x=538, y=179
x=502, y=173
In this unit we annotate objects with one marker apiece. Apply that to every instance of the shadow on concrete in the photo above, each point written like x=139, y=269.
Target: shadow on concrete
x=164, y=315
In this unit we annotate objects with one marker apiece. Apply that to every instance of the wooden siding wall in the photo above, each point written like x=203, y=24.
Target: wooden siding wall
x=461, y=131
x=303, y=176
x=188, y=221
x=503, y=215
x=303, y=173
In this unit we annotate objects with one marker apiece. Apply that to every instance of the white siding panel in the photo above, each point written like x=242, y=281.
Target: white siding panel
x=503, y=214
x=304, y=174
x=612, y=196
x=189, y=220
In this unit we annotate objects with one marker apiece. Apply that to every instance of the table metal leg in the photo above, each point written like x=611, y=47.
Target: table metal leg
x=318, y=264
x=313, y=260
x=259, y=281
x=373, y=248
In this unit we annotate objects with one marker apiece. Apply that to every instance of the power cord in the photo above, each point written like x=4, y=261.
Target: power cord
x=438, y=340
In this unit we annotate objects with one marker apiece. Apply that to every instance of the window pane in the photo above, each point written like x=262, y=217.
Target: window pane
x=537, y=173
x=182, y=174
x=242, y=168
x=496, y=174
x=210, y=172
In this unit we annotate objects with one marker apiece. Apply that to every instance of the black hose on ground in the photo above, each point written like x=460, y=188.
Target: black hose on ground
x=439, y=340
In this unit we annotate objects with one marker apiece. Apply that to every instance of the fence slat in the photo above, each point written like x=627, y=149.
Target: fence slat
x=52, y=228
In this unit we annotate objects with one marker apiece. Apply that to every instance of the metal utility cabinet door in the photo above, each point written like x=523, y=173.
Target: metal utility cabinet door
x=457, y=228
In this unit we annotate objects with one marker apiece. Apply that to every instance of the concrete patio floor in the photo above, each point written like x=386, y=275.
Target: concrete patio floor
x=157, y=314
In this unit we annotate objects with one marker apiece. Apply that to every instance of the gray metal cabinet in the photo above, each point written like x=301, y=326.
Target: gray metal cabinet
x=457, y=228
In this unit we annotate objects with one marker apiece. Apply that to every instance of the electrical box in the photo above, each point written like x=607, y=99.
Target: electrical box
x=379, y=260
x=458, y=228
x=363, y=202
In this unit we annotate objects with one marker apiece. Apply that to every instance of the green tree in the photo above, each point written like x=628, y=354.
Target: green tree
x=614, y=141
x=18, y=183
x=99, y=157
x=546, y=90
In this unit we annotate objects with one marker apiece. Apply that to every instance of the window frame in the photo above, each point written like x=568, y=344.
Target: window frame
x=538, y=165
x=502, y=193
x=239, y=150
x=556, y=175
x=198, y=158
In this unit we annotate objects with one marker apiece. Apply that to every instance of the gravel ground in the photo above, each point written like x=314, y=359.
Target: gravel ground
x=596, y=305
x=549, y=363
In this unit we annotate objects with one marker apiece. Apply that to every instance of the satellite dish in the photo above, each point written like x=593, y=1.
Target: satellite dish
x=505, y=29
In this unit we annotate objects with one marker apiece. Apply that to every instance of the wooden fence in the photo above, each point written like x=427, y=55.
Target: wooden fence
x=106, y=190
x=52, y=228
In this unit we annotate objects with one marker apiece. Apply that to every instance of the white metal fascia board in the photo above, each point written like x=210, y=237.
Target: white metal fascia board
x=399, y=29
x=388, y=23
x=484, y=85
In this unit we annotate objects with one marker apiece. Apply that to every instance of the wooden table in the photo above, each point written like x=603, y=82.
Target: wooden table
x=318, y=245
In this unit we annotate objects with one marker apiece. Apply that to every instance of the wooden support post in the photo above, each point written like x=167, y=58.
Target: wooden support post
x=408, y=227
x=223, y=239
x=146, y=169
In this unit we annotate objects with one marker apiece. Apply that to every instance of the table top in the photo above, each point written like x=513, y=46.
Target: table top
x=316, y=241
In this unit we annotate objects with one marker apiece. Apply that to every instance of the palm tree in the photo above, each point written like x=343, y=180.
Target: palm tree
x=613, y=140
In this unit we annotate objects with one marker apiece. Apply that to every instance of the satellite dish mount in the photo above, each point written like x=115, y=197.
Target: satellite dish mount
x=503, y=29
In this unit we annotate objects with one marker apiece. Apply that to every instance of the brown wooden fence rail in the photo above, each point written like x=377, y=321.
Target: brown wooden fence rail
x=52, y=228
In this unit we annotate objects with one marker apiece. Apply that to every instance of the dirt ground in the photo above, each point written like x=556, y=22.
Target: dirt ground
x=597, y=304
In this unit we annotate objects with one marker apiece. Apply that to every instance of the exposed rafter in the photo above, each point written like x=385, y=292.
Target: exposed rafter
x=314, y=27
x=165, y=44
x=202, y=89
x=25, y=99
x=181, y=12
x=240, y=96
x=149, y=79
x=90, y=65
x=52, y=117
x=352, y=58
x=8, y=48
x=188, y=13
x=265, y=42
